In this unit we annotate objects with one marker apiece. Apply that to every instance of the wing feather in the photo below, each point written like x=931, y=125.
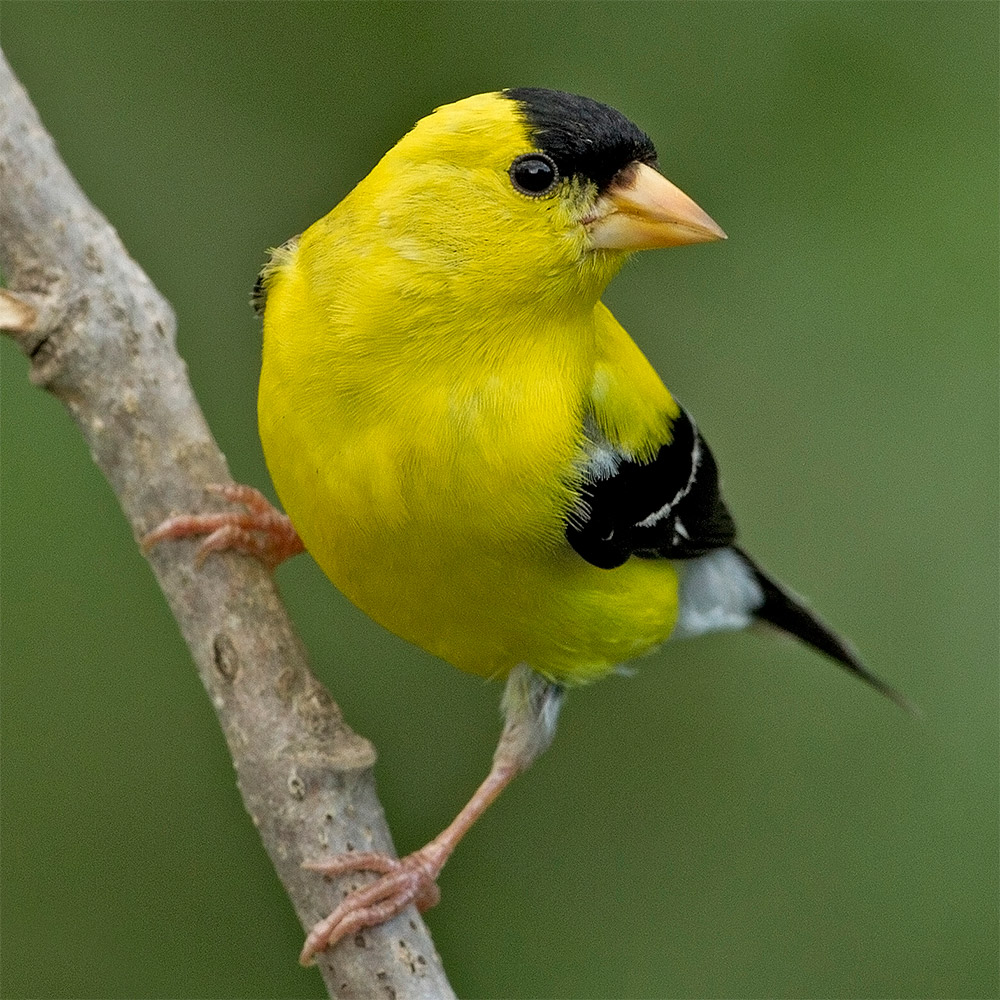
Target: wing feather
x=669, y=507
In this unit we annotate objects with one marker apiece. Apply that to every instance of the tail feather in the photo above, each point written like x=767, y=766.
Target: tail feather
x=788, y=613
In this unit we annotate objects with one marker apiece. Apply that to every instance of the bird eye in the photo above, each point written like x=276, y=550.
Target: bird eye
x=534, y=174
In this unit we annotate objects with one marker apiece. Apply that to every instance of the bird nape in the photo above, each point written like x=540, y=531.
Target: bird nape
x=474, y=450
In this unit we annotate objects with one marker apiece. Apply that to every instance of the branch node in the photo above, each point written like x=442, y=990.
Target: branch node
x=225, y=657
x=17, y=316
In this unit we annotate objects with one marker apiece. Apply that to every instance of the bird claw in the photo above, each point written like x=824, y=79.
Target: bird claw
x=403, y=881
x=260, y=530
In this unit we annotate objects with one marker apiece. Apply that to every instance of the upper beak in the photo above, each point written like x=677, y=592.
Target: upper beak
x=642, y=210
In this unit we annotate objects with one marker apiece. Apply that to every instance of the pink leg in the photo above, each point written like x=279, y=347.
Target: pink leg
x=531, y=705
x=260, y=530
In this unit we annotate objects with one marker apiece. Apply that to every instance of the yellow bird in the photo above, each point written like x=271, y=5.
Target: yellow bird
x=474, y=450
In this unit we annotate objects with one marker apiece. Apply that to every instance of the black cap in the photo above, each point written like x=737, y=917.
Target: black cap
x=585, y=138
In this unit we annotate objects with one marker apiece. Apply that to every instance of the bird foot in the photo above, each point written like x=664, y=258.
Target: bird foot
x=260, y=530
x=403, y=881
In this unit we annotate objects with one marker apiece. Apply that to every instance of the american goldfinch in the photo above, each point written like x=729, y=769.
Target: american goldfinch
x=474, y=450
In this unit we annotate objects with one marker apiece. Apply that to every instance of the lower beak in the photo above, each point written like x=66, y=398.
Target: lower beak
x=642, y=210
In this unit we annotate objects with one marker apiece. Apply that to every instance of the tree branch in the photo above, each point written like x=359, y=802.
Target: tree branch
x=101, y=339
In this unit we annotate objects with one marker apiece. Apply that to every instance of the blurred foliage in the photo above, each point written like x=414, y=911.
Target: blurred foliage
x=786, y=832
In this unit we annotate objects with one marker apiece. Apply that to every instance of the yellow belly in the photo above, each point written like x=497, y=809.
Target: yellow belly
x=482, y=603
x=435, y=499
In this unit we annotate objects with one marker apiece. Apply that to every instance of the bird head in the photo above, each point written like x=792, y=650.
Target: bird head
x=526, y=193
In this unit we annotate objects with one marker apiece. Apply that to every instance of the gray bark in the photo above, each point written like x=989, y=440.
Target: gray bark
x=101, y=339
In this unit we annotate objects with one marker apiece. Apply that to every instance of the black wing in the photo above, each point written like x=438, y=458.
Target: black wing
x=667, y=508
x=671, y=508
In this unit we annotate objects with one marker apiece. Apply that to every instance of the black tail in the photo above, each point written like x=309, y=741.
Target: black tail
x=787, y=612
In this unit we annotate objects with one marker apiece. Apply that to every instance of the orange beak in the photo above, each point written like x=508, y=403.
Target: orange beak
x=642, y=210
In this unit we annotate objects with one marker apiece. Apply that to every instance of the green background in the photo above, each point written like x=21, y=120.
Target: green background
x=740, y=818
